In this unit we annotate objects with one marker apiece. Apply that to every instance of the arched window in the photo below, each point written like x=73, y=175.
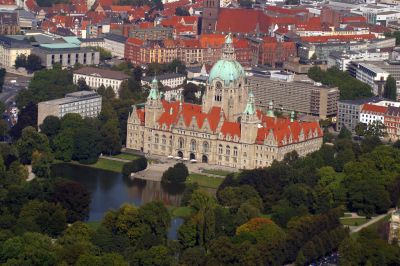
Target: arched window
x=235, y=151
x=181, y=143
x=220, y=149
x=164, y=140
x=156, y=138
x=205, y=146
x=192, y=145
x=170, y=140
x=228, y=150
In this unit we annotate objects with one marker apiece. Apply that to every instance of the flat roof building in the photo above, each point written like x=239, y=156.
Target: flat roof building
x=84, y=103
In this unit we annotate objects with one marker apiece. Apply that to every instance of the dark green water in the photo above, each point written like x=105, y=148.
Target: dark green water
x=110, y=190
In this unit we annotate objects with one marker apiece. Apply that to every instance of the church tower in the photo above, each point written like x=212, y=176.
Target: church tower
x=154, y=107
x=249, y=121
x=209, y=16
x=226, y=85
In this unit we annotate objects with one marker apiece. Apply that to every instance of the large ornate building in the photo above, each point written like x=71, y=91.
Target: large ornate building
x=226, y=129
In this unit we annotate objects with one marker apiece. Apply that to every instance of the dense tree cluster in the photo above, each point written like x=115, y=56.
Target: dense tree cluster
x=31, y=62
x=394, y=34
x=350, y=88
x=157, y=69
x=390, y=89
x=135, y=166
x=176, y=174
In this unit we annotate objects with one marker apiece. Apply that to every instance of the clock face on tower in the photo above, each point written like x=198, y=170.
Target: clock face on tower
x=218, y=85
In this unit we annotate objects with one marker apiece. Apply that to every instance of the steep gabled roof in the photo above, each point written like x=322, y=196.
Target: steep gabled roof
x=372, y=108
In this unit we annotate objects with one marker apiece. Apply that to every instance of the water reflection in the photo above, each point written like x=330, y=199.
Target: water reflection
x=110, y=190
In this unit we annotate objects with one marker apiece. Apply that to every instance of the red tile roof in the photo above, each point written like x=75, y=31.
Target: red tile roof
x=371, y=108
x=282, y=129
x=287, y=11
x=115, y=8
x=7, y=2
x=242, y=20
x=135, y=41
x=338, y=38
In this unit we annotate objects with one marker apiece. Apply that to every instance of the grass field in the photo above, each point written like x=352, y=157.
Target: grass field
x=353, y=221
x=204, y=181
x=126, y=156
x=109, y=165
x=93, y=224
x=182, y=212
x=216, y=172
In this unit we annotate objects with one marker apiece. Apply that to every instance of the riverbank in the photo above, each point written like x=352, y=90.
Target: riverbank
x=102, y=164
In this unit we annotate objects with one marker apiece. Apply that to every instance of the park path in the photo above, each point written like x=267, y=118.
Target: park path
x=115, y=159
x=372, y=221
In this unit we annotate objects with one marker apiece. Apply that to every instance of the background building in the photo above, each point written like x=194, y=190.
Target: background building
x=85, y=103
x=115, y=44
x=10, y=49
x=171, y=80
x=9, y=24
x=288, y=95
x=95, y=77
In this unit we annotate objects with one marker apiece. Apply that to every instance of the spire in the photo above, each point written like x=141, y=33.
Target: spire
x=250, y=107
x=154, y=93
x=228, y=51
x=270, y=112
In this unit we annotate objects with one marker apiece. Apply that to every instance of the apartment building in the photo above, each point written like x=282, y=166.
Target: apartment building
x=152, y=34
x=288, y=95
x=66, y=55
x=10, y=49
x=370, y=74
x=171, y=80
x=85, y=103
x=349, y=112
x=9, y=23
x=371, y=113
x=95, y=77
x=393, y=68
x=342, y=59
x=115, y=44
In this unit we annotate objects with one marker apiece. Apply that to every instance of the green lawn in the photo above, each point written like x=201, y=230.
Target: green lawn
x=109, y=165
x=346, y=215
x=373, y=226
x=204, y=181
x=126, y=156
x=216, y=172
x=353, y=221
x=183, y=212
x=93, y=224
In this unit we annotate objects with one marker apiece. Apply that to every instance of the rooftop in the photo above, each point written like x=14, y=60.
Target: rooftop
x=116, y=38
x=102, y=73
x=73, y=97
x=164, y=77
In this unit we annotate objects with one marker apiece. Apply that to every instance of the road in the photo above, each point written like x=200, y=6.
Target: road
x=10, y=90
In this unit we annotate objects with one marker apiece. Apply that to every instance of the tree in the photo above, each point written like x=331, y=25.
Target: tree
x=376, y=129
x=74, y=198
x=180, y=11
x=360, y=129
x=110, y=138
x=41, y=164
x=314, y=57
x=50, y=126
x=3, y=128
x=27, y=117
x=20, y=61
x=30, y=141
x=33, y=63
x=350, y=252
x=344, y=133
x=155, y=256
x=63, y=145
x=29, y=249
x=390, y=89
x=135, y=166
x=86, y=145
x=82, y=86
x=43, y=217
x=176, y=174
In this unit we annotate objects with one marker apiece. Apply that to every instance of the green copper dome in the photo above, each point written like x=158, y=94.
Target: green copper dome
x=227, y=70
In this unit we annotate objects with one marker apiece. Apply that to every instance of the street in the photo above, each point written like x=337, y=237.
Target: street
x=12, y=85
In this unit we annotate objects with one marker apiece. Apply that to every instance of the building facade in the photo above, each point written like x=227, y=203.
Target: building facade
x=67, y=57
x=9, y=23
x=85, y=103
x=115, y=44
x=10, y=49
x=394, y=228
x=171, y=80
x=288, y=95
x=226, y=129
x=95, y=77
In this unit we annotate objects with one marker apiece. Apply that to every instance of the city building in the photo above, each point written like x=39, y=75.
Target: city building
x=392, y=122
x=171, y=80
x=371, y=113
x=226, y=129
x=393, y=68
x=95, y=77
x=288, y=95
x=370, y=74
x=10, y=49
x=157, y=33
x=394, y=227
x=9, y=24
x=85, y=103
x=342, y=59
x=115, y=44
x=66, y=55
x=349, y=112
x=92, y=42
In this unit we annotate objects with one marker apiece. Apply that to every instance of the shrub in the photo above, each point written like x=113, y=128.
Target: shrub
x=135, y=166
x=176, y=174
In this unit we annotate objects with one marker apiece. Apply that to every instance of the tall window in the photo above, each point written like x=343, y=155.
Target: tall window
x=220, y=149
x=156, y=138
x=205, y=147
x=228, y=150
x=235, y=151
x=164, y=140
x=181, y=143
x=192, y=145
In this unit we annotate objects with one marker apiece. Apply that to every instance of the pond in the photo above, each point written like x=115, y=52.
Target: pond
x=110, y=190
